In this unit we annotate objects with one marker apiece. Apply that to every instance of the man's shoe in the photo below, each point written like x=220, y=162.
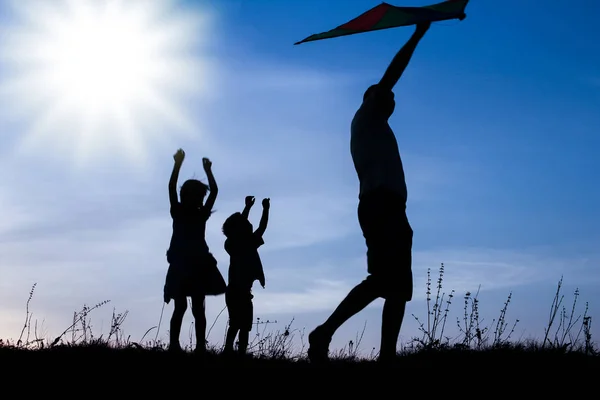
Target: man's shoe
x=318, y=346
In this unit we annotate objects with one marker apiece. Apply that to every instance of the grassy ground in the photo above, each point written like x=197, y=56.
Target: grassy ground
x=480, y=350
x=143, y=358
x=133, y=372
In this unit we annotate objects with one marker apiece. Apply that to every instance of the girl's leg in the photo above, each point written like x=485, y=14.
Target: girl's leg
x=176, y=321
x=200, y=319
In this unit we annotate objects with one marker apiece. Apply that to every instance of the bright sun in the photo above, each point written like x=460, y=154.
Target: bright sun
x=93, y=75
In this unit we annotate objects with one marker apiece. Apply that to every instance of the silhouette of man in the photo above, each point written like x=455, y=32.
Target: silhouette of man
x=381, y=214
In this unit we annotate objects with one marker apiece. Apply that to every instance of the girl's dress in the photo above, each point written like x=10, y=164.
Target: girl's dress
x=192, y=269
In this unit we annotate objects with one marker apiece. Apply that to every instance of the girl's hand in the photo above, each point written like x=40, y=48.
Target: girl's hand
x=179, y=156
x=249, y=201
x=266, y=203
x=207, y=164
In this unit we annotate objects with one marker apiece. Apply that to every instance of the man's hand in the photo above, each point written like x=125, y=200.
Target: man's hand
x=266, y=203
x=249, y=201
x=207, y=164
x=422, y=28
x=179, y=156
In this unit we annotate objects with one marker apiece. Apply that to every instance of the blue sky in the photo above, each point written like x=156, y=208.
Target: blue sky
x=497, y=125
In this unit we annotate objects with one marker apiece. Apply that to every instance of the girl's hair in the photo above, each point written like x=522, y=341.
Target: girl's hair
x=232, y=224
x=193, y=189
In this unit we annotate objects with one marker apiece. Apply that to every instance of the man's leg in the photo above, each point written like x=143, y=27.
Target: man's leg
x=391, y=322
x=359, y=297
x=397, y=285
x=389, y=241
x=397, y=289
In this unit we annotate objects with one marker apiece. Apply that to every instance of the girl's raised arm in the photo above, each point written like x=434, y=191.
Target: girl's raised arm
x=178, y=157
x=212, y=184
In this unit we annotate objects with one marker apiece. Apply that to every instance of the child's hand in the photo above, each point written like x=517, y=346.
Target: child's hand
x=207, y=164
x=179, y=156
x=266, y=203
x=166, y=299
x=249, y=201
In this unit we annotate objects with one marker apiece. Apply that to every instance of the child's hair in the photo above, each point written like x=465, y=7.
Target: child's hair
x=233, y=223
x=193, y=190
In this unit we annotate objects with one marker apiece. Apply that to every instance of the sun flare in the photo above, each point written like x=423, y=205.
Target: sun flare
x=93, y=75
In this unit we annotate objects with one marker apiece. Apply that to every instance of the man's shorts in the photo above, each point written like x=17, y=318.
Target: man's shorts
x=388, y=236
x=240, y=309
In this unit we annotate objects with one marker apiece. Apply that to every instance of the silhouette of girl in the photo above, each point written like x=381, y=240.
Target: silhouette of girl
x=192, y=270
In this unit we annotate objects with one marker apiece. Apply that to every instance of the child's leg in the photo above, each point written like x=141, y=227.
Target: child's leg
x=232, y=331
x=246, y=327
x=200, y=319
x=176, y=321
x=232, y=303
x=244, y=338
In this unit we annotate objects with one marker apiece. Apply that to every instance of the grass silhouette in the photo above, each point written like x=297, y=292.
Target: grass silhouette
x=567, y=342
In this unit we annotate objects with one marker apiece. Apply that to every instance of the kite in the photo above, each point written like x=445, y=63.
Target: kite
x=386, y=16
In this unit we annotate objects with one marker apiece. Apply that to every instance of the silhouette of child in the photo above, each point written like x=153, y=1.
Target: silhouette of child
x=245, y=267
x=192, y=270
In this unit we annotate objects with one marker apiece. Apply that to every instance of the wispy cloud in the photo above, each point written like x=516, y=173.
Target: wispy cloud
x=320, y=296
x=468, y=268
x=15, y=216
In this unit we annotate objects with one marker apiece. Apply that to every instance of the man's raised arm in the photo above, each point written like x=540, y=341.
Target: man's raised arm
x=402, y=58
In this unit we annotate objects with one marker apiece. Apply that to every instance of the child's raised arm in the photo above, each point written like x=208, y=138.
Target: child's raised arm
x=249, y=202
x=212, y=184
x=178, y=157
x=264, y=219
